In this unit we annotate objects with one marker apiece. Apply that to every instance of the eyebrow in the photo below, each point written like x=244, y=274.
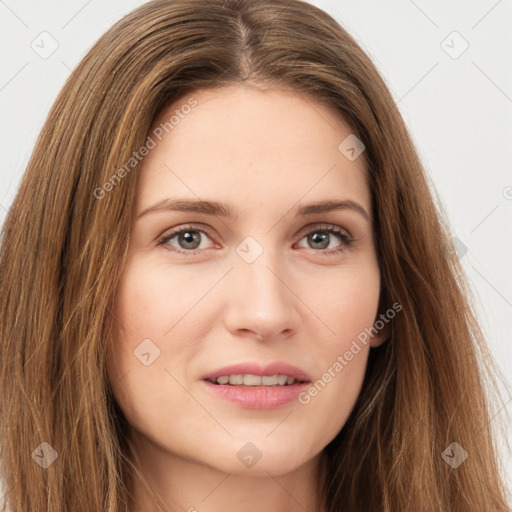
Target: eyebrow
x=225, y=210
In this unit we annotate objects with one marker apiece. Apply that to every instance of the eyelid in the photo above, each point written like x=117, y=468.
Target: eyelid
x=202, y=227
x=323, y=226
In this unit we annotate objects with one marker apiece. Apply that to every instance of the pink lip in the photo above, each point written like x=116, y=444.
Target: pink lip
x=258, y=397
x=277, y=368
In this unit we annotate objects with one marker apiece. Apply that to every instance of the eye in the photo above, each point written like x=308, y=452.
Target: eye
x=321, y=236
x=189, y=239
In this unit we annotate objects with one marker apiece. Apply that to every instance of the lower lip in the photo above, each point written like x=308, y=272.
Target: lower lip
x=257, y=397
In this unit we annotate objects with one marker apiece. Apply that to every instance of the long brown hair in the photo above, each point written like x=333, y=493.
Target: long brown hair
x=67, y=233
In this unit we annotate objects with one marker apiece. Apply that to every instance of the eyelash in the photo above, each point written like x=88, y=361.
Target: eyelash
x=347, y=240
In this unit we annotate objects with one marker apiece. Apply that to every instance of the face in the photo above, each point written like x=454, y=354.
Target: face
x=265, y=287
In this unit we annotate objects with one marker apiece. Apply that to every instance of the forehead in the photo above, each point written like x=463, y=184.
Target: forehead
x=239, y=143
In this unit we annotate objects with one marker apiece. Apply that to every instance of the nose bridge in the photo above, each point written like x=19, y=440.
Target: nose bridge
x=258, y=268
x=263, y=303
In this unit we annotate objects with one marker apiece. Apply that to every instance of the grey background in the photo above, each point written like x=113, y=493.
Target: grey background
x=457, y=105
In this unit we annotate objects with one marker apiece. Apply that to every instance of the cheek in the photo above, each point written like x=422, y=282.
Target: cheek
x=152, y=300
x=149, y=297
x=150, y=311
x=348, y=306
x=141, y=314
x=148, y=303
x=346, y=303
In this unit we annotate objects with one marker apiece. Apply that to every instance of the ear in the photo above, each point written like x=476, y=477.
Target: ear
x=383, y=334
x=381, y=328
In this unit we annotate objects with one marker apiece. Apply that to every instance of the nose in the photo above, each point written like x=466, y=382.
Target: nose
x=261, y=302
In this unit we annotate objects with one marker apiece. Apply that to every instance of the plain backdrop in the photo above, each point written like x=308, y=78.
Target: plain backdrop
x=447, y=64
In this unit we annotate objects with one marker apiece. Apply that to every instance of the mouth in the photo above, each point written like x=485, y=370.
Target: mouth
x=253, y=374
x=252, y=387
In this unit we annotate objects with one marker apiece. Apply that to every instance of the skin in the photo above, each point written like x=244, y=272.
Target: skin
x=263, y=152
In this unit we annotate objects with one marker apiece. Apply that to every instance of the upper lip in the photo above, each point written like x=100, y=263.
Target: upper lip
x=277, y=368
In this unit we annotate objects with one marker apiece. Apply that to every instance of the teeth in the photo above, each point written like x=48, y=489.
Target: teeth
x=255, y=380
x=236, y=380
x=252, y=380
x=269, y=380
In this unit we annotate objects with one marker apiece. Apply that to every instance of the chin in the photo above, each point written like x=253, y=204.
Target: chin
x=261, y=458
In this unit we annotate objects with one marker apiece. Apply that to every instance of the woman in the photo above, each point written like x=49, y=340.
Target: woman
x=251, y=368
